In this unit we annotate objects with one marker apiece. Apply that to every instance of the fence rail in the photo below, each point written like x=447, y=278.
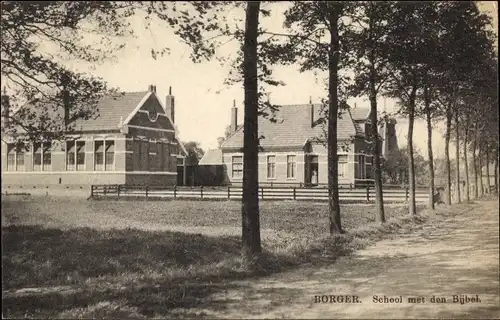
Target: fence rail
x=365, y=194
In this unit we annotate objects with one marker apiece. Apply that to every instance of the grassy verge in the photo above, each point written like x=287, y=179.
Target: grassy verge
x=85, y=261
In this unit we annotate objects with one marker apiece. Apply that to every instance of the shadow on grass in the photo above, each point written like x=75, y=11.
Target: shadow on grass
x=146, y=268
x=145, y=273
x=150, y=272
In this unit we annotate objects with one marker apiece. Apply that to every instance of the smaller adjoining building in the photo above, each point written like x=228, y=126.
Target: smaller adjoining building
x=293, y=149
x=133, y=141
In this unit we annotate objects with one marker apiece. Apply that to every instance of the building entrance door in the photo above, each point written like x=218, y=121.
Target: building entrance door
x=312, y=173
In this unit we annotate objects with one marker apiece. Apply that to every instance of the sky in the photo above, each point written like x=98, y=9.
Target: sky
x=203, y=102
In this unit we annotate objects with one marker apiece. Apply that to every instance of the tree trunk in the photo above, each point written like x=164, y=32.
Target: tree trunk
x=487, y=170
x=251, y=245
x=447, y=154
x=411, y=161
x=333, y=177
x=429, y=146
x=496, y=171
x=466, y=161
x=474, y=164
x=377, y=172
x=457, y=158
x=481, y=180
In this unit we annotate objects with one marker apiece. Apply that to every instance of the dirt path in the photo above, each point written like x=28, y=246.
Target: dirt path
x=459, y=258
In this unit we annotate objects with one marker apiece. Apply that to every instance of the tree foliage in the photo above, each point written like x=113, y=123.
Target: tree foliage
x=195, y=152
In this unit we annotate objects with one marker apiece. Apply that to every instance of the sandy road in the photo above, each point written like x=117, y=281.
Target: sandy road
x=455, y=257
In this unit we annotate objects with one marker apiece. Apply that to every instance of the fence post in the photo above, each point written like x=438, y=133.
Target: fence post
x=407, y=193
x=201, y=191
x=147, y=189
x=262, y=193
x=175, y=191
x=105, y=189
x=92, y=190
x=367, y=193
x=117, y=190
x=228, y=192
x=294, y=193
x=350, y=186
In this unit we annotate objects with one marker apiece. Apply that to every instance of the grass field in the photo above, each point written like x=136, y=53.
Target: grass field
x=141, y=259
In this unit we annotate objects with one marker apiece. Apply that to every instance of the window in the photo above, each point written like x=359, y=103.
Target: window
x=70, y=155
x=46, y=157
x=342, y=161
x=361, y=166
x=104, y=155
x=369, y=168
x=11, y=157
x=80, y=155
x=152, y=156
x=15, y=157
x=161, y=156
x=237, y=167
x=291, y=167
x=37, y=157
x=99, y=155
x=20, y=158
x=75, y=155
x=110, y=155
x=144, y=155
x=271, y=167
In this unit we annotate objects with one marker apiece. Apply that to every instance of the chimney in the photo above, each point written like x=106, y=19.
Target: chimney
x=311, y=110
x=5, y=109
x=234, y=117
x=152, y=88
x=170, y=105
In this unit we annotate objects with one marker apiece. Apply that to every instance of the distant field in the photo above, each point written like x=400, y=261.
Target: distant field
x=79, y=253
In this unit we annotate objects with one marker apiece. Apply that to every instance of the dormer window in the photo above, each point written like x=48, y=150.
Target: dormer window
x=152, y=115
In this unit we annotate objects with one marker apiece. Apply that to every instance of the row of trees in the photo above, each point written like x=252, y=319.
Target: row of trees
x=435, y=58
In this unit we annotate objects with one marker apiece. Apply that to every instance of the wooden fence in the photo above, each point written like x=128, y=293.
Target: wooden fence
x=366, y=194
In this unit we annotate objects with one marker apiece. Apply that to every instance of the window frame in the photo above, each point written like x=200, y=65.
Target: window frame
x=291, y=166
x=271, y=165
x=80, y=166
x=70, y=167
x=239, y=171
x=11, y=157
x=343, y=165
x=104, y=166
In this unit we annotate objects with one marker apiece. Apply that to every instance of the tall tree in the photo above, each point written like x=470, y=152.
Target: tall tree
x=457, y=155
x=251, y=245
x=411, y=34
x=368, y=42
x=428, y=120
x=464, y=43
x=333, y=14
x=466, y=160
x=309, y=24
x=474, y=161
